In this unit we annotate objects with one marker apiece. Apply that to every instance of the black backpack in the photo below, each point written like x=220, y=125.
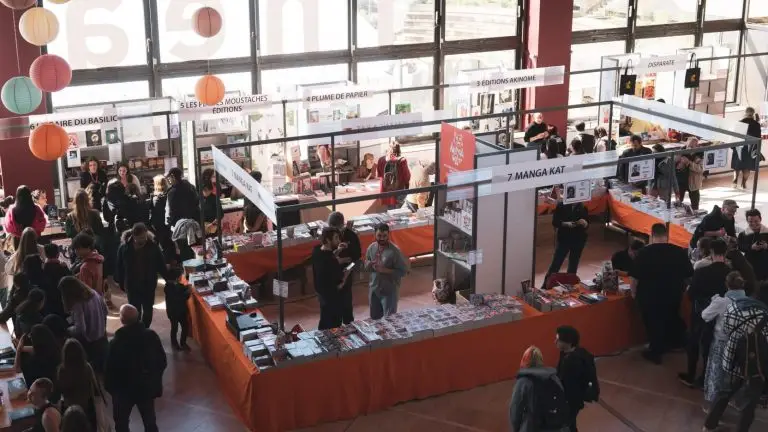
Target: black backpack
x=550, y=406
x=752, y=352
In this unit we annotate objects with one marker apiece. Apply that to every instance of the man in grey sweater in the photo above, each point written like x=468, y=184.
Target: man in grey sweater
x=387, y=266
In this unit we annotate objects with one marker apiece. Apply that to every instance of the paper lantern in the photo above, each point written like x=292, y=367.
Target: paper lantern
x=58, y=1
x=18, y=4
x=48, y=142
x=20, y=96
x=207, y=22
x=50, y=73
x=209, y=90
x=39, y=26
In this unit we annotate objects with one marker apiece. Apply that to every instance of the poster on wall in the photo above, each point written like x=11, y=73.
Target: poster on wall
x=150, y=149
x=457, y=150
x=642, y=170
x=73, y=158
x=715, y=159
x=579, y=191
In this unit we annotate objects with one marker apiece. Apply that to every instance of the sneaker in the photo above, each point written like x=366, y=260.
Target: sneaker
x=651, y=357
x=686, y=380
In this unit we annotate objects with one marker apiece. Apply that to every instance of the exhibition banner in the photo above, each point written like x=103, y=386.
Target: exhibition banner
x=314, y=96
x=457, y=151
x=242, y=181
x=671, y=63
x=378, y=121
x=78, y=121
x=488, y=80
x=230, y=106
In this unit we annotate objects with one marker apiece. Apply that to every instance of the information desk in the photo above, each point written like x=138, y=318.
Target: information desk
x=361, y=383
x=640, y=222
x=254, y=264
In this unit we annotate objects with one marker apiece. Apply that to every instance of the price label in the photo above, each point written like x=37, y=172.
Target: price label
x=280, y=288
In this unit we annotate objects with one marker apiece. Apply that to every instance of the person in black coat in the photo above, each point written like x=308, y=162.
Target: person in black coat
x=753, y=242
x=157, y=203
x=743, y=157
x=717, y=223
x=351, y=253
x=576, y=370
x=211, y=206
x=139, y=262
x=133, y=374
x=587, y=140
x=119, y=210
x=537, y=132
x=182, y=202
x=96, y=178
x=570, y=222
x=176, y=296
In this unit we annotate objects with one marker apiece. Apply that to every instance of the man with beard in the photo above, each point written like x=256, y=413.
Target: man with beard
x=387, y=266
x=717, y=223
x=658, y=278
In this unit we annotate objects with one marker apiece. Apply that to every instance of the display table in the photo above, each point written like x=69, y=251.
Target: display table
x=640, y=222
x=361, y=383
x=252, y=265
x=595, y=206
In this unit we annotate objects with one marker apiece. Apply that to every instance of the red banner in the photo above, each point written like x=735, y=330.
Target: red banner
x=457, y=150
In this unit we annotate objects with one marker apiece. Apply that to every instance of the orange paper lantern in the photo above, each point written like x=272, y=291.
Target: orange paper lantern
x=207, y=22
x=50, y=73
x=209, y=90
x=18, y=4
x=48, y=142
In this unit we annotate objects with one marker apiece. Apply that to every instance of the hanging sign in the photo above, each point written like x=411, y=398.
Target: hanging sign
x=579, y=191
x=314, y=96
x=642, y=170
x=502, y=79
x=715, y=159
x=191, y=110
x=457, y=150
x=662, y=64
x=379, y=121
x=242, y=181
x=78, y=121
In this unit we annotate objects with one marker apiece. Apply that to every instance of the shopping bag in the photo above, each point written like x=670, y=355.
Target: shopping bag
x=693, y=73
x=627, y=81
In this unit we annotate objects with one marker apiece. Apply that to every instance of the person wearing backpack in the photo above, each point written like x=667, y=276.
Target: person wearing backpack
x=576, y=370
x=744, y=362
x=394, y=174
x=538, y=401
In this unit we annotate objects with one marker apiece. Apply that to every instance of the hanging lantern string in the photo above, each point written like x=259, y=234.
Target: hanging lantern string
x=16, y=39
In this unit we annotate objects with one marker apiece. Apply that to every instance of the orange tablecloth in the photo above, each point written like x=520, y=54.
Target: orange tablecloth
x=625, y=215
x=345, y=387
x=252, y=265
x=595, y=206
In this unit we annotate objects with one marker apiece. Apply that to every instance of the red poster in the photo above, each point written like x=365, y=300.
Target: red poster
x=457, y=150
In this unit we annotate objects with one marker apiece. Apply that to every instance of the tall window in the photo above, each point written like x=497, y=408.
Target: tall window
x=181, y=88
x=100, y=93
x=395, y=74
x=592, y=15
x=476, y=19
x=758, y=12
x=394, y=22
x=663, y=46
x=731, y=41
x=299, y=26
x=585, y=88
x=723, y=9
x=653, y=12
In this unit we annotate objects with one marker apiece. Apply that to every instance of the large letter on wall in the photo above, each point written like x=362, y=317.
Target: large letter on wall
x=78, y=32
x=175, y=22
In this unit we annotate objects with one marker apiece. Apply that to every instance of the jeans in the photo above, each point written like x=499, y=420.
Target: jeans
x=383, y=305
x=572, y=250
x=750, y=396
x=121, y=410
x=175, y=324
x=143, y=302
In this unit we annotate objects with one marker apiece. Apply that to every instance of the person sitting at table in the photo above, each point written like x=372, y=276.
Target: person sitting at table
x=24, y=214
x=367, y=169
x=623, y=259
x=717, y=223
x=38, y=355
x=537, y=133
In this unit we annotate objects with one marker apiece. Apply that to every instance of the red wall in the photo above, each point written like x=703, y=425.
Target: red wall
x=548, y=43
x=17, y=163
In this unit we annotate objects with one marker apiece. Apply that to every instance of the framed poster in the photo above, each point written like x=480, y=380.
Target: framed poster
x=715, y=159
x=642, y=170
x=579, y=191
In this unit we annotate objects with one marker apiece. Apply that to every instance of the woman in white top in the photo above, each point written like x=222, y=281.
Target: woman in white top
x=714, y=377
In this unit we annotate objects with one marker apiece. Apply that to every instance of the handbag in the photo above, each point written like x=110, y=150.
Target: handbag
x=693, y=73
x=104, y=420
x=627, y=81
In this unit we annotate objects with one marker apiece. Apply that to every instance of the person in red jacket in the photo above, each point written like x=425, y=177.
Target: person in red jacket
x=25, y=213
x=394, y=173
x=90, y=269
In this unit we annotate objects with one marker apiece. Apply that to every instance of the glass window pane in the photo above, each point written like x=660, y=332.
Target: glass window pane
x=591, y=15
x=758, y=12
x=178, y=42
x=394, y=22
x=663, y=46
x=476, y=19
x=652, y=12
x=284, y=81
x=589, y=56
x=298, y=26
x=731, y=41
x=179, y=88
x=585, y=88
x=99, y=34
x=396, y=74
x=100, y=93
x=723, y=9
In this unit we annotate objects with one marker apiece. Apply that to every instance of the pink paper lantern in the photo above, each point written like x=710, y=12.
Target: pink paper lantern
x=18, y=4
x=50, y=73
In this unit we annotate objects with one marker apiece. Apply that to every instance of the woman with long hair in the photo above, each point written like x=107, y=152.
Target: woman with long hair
x=27, y=246
x=124, y=175
x=24, y=214
x=76, y=379
x=739, y=263
x=157, y=223
x=38, y=355
x=28, y=313
x=19, y=292
x=93, y=177
x=83, y=217
x=89, y=316
x=209, y=179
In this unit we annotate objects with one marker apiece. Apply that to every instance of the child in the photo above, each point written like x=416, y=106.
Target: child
x=53, y=271
x=176, y=296
x=90, y=269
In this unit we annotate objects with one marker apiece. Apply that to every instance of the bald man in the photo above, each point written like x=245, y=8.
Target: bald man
x=134, y=371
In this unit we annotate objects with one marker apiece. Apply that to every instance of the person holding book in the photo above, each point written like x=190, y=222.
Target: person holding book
x=47, y=416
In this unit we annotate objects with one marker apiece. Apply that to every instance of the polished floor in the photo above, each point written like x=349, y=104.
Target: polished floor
x=636, y=395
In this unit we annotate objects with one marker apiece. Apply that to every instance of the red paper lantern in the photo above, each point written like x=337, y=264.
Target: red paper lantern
x=48, y=142
x=209, y=90
x=18, y=4
x=207, y=22
x=50, y=73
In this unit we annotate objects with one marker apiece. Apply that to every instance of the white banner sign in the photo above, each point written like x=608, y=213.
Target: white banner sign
x=191, y=110
x=78, y=121
x=662, y=64
x=386, y=120
x=240, y=179
x=502, y=79
x=326, y=96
